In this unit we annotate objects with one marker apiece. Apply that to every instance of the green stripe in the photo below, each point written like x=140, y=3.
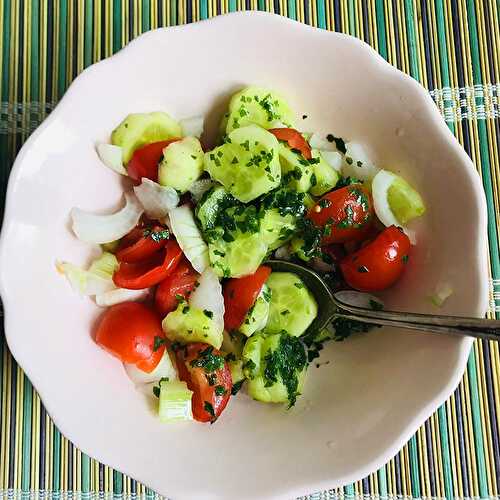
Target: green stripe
x=412, y=41
x=443, y=49
x=381, y=29
x=261, y=4
x=476, y=424
x=382, y=482
x=414, y=466
x=88, y=35
x=292, y=12
x=5, y=52
x=61, y=79
x=146, y=15
x=56, y=461
x=321, y=13
x=35, y=38
x=352, y=18
x=27, y=412
x=173, y=12
x=204, y=9
x=117, y=483
x=445, y=452
x=233, y=6
x=117, y=25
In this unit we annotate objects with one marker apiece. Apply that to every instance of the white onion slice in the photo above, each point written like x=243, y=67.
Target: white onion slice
x=380, y=190
x=283, y=253
x=118, y=295
x=277, y=124
x=83, y=281
x=199, y=188
x=333, y=158
x=357, y=163
x=319, y=141
x=111, y=156
x=165, y=368
x=192, y=127
x=189, y=237
x=93, y=228
x=208, y=295
x=157, y=200
x=359, y=299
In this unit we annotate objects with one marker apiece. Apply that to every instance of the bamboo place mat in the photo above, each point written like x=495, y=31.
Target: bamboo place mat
x=451, y=46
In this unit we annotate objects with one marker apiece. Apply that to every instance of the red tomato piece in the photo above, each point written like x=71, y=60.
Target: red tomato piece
x=345, y=214
x=294, y=139
x=128, y=332
x=380, y=263
x=148, y=272
x=179, y=283
x=240, y=295
x=145, y=160
x=207, y=374
x=144, y=245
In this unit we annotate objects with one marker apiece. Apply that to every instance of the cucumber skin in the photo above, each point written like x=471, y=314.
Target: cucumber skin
x=191, y=326
x=182, y=164
x=139, y=129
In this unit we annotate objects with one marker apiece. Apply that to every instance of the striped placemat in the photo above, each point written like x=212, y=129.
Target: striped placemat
x=451, y=46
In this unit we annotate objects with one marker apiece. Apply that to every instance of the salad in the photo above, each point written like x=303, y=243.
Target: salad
x=191, y=309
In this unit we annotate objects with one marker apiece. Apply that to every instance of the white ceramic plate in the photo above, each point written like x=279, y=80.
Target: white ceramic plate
x=359, y=409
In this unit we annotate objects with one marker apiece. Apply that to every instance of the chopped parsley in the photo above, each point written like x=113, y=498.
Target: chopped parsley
x=158, y=342
x=286, y=363
x=220, y=390
x=157, y=236
x=405, y=258
x=209, y=409
x=207, y=360
x=208, y=314
x=236, y=387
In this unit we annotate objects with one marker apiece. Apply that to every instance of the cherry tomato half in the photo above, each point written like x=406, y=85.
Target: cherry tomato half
x=294, y=139
x=207, y=374
x=142, y=244
x=148, y=272
x=179, y=283
x=345, y=214
x=240, y=295
x=128, y=332
x=145, y=160
x=380, y=263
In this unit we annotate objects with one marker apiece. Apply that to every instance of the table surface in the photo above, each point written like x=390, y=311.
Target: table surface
x=452, y=47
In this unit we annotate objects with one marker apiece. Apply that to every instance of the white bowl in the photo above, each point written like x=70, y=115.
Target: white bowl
x=358, y=410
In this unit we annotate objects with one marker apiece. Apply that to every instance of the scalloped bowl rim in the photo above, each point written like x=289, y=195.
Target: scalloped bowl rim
x=419, y=91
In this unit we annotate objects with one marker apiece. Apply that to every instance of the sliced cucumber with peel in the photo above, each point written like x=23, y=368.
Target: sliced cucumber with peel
x=293, y=307
x=139, y=129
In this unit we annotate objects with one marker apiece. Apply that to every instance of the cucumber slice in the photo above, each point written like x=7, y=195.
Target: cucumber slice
x=295, y=169
x=259, y=106
x=182, y=164
x=139, y=129
x=239, y=257
x=297, y=246
x=277, y=229
x=232, y=346
x=256, y=318
x=325, y=175
x=405, y=202
x=293, y=307
x=189, y=324
x=247, y=165
x=209, y=206
x=275, y=366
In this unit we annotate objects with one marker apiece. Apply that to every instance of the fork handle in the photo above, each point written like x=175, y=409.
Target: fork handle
x=488, y=329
